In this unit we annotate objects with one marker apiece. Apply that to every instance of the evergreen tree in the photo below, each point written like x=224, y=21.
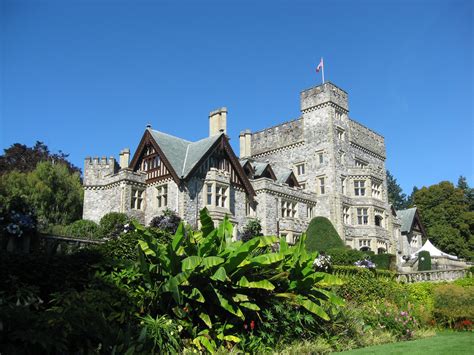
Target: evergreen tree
x=468, y=191
x=395, y=195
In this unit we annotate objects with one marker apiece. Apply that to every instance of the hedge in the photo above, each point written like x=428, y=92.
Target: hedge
x=424, y=261
x=321, y=235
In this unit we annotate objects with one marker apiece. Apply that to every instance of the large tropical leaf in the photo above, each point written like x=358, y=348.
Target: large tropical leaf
x=250, y=305
x=178, y=237
x=229, y=306
x=219, y=275
x=267, y=240
x=312, y=307
x=211, y=261
x=262, y=284
x=206, y=319
x=207, y=226
x=267, y=259
x=191, y=262
x=240, y=254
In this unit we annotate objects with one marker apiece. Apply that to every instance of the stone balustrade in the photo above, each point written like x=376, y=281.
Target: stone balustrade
x=432, y=276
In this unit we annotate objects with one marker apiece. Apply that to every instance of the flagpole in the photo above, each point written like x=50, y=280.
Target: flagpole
x=322, y=60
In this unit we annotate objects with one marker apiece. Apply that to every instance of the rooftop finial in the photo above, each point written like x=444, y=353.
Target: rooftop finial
x=148, y=125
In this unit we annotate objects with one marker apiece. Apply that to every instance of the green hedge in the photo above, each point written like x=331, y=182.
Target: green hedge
x=321, y=235
x=424, y=261
x=84, y=229
x=384, y=261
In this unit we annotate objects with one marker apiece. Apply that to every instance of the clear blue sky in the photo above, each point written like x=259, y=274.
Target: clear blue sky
x=86, y=77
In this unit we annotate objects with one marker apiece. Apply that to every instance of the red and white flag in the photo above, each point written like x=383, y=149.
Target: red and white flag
x=320, y=66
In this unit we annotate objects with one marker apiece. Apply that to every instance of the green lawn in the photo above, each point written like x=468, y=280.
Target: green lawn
x=452, y=343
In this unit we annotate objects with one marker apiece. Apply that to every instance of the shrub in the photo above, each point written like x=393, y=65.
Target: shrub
x=347, y=256
x=253, y=228
x=167, y=222
x=213, y=284
x=424, y=261
x=384, y=261
x=453, y=303
x=83, y=228
x=112, y=224
x=321, y=235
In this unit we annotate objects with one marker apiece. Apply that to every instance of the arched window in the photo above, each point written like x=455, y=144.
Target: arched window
x=381, y=251
x=365, y=249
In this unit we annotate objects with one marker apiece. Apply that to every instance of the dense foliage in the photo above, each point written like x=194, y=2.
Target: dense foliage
x=446, y=215
x=167, y=222
x=112, y=224
x=19, y=157
x=321, y=235
x=253, y=228
x=83, y=228
x=51, y=192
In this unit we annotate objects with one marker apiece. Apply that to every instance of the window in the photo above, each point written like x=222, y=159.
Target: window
x=162, y=195
x=340, y=134
x=321, y=157
x=362, y=216
x=300, y=169
x=359, y=187
x=221, y=196
x=309, y=212
x=364, y=245
x=378, y=219
x=376, y=190
x=343, y=185
x=209, y=194
x=346, y=214
x=322, y=188
x=288, y=209
x=137, y=199
x=249, y=208
x=360, y=163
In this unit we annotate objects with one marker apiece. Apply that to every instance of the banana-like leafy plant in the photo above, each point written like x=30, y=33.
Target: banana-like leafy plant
x=214, y=284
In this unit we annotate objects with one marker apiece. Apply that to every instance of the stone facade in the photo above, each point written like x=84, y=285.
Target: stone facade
x=322, y=164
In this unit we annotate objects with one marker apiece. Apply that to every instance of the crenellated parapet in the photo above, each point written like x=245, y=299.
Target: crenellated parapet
x=277, y=137
x=97, y=169
x=366, y=140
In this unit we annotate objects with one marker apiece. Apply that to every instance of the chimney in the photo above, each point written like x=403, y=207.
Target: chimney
x=245, y=143
x=218, y=121
x=124, y=158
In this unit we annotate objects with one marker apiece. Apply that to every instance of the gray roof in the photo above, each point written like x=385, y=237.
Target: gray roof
x=259, y=168
x=183, y=155
x=406, y=218
x=282, y=175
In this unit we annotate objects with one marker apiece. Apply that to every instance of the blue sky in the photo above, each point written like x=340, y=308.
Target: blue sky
x=87, y=76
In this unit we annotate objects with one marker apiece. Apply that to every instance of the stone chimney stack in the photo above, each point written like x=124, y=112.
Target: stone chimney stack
x=218, y=121
x=124, y=158
x=245, y=143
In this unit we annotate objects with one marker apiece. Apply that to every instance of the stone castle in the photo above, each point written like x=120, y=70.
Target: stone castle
x=321, y=164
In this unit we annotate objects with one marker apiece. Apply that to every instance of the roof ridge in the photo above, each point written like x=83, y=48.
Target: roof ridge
x=185, y=159
x=170, y=135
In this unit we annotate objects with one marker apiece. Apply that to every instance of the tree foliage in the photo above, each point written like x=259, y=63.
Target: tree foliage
x=24, y=159
x=395, y=195
x=51, y=191
x=446, y=214
x=322, y=235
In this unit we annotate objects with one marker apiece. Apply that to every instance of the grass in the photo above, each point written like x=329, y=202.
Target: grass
x=456, y=343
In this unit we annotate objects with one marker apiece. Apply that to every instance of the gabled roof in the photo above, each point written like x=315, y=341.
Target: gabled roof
x=284, y=176
x=183, y=157
x=407, y=218
x=259, y=168
x=182, y=154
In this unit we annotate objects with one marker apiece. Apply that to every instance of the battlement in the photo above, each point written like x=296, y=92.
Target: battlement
x=324, y=93
x=95, y=169
x=366, y=138
x=275, y=137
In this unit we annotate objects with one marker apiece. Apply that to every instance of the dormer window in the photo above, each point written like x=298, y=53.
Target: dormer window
x=300, y=169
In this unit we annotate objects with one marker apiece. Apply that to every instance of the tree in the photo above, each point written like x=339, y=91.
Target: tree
x=51, y=190
x=409, y=201
x=445, y=213
x=468, y=191
x=24, y=159
x=395, y=195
